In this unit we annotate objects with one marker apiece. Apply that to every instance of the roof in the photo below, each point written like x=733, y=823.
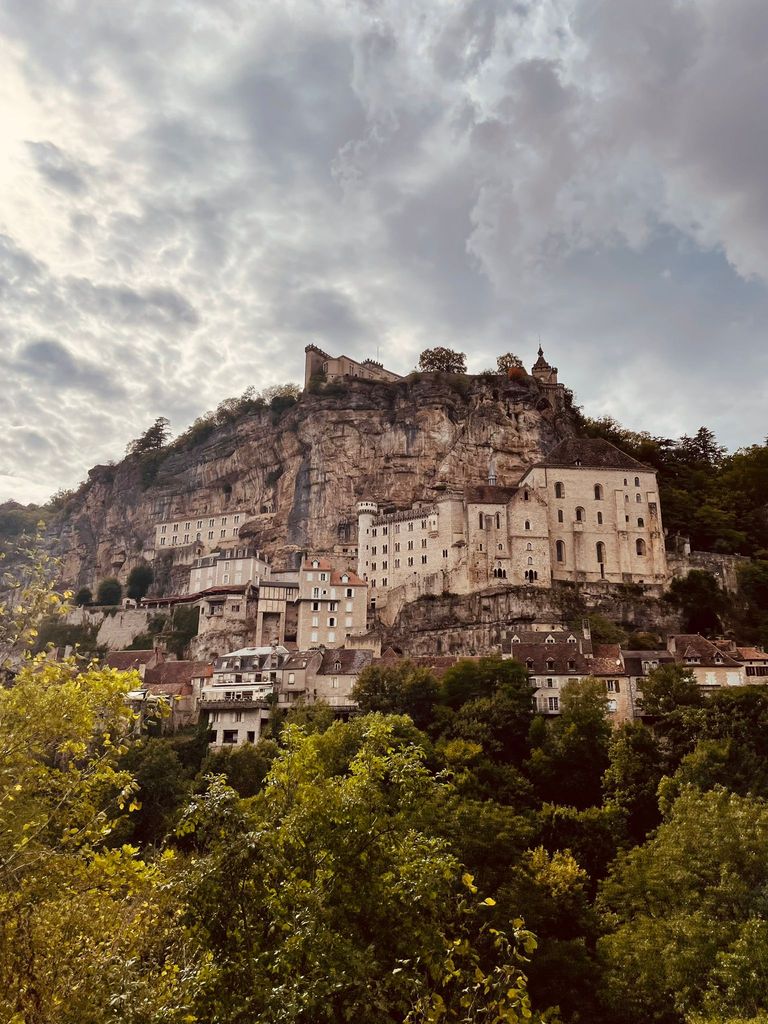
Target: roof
x=125, y=661
x=591, y=453
x=176, y=673
x=236, y=588
x=691, y=645
x=489, y=494
x=536, y=656
x=344, y=662
x=751, y=654
x=324, y=565
x=250, y=652
x=607, y=660
x=299, y=660
x=539, y=636
x=633, y=660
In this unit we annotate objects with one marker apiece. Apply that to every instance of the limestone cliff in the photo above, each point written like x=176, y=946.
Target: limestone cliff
x=301, y=471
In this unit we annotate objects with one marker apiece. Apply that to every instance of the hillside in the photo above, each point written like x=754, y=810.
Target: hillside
x=299, y=470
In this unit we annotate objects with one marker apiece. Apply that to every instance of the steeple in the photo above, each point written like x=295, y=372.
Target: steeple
x=542, y=371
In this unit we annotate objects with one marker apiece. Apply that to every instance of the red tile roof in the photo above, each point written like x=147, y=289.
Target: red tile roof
x=323, y=565
x=176, y=673
x=126, y=661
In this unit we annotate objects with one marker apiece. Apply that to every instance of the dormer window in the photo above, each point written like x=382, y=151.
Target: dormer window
x=515, y=639
x=529, y=663
x=550, y=639
x=571, y=639
x=550, y=665
x=571, y=666
x=315, y=564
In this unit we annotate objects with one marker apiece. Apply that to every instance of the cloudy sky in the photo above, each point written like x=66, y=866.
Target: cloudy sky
x=191, y=191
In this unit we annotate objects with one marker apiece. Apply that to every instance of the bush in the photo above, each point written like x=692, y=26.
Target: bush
x=109, y=592
x=139, y=581
x=83, y=597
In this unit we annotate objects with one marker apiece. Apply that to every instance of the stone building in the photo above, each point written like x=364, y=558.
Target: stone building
x=236, y=700
x=227, y=565
x=711, y=667
x=201, y=533
x=587, y=512
x=323, y=676
x=332, y=605
x=319, y=364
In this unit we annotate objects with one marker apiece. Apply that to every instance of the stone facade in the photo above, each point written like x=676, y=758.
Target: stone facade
x=227, y=566
x=199, y=533
x=586, y=513
x=332, y=368
x=332, y=605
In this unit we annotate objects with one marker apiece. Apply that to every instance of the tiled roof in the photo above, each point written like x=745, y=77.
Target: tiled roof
x=299, y=660
x=633, y=660
x=323, y=565
x=175, y=673
x=751, y=654
x=559, y=655
x=590, y=453
x=125, y=661
x=539, y=636
x=344, y=662
x=691, y=645
x=607, y=660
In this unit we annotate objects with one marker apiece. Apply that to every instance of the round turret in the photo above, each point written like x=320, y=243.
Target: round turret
x=367, y=508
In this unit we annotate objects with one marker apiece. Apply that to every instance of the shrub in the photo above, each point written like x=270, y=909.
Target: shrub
x=83, y=597
x=109, y=592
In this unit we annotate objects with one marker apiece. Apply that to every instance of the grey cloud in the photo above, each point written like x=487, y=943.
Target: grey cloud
x=46, y=359
x=59, y=169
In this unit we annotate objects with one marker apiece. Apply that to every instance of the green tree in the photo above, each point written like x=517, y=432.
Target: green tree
x=244, y=768
x=482, y=677
x=152, y=439
x=325, y=898
x=139, y=580
x=442, y=360
x=669, y=688
x=687, y=914
x=568, y=766
x=401, y=689
x=84, y=597
x=109, y=592
x=632, y=777
x=508, y=362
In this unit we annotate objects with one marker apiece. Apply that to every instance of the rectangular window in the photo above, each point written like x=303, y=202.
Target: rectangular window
x=163, y=529
x=162, y=542
x=410, y=527
x=350, y=592
x=423, y=559
x=229, y=736
x=553, y=703
x=332, y=622
x=383, y=549
x=175, y=527
x=223, y=533
x=397, y=545
x=348, y=620
x=315, y=620
x=210, y=535
x=397, y=560
x=445, y=552
x=314, y=636
x=251, y=735
x=424, y=542
x=199, y=524
x=236, y=519
x=410, y=545
x=410, y=561
x=186, y=538
x=423, y=524
x=384, y=565
x=397, y=527
x=210, y=522
x=612, y=685
x=373, y=550
x=175, y=540
x=315, y=606
x=223, y=520
x=385, y=530
x=331, y=638
x=333, y=606
x=238, y=716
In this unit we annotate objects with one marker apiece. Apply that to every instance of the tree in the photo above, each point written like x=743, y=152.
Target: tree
x=139, y=580
x=632, y=777
x=401, y=689
x=568, y=767
x=669, y=688
x=508, y=362
x=470, y=678
x=687, y=914
x=109, y=592
x=701, y=600
x=442, y=360
x=84, y=597
x=325, y=897
x=152, y=439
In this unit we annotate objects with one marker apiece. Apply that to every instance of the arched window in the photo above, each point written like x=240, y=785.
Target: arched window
x=559, y=515
x=637, y=481
x=527, y=524
x=529, y=663
x=579, y=514
x=598, y=492
x=550, y=664
x=559, y=490
x=529, y=546
x=640, y=521
x=599, y=518
x=640, y=546
x=600, y=550
x=480, y=518
x=498, y=520
x=560, y=551
x=638, y=497
x=530, y=561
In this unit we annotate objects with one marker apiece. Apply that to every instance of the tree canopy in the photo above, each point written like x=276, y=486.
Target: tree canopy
x=442, y=360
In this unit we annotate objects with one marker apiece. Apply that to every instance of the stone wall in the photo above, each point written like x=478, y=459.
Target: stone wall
x=118, y=627
x=723, y=567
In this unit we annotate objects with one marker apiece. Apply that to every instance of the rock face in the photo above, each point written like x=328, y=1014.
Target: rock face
x=300, y=472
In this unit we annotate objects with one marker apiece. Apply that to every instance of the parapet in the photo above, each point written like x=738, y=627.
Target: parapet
x=367, y=508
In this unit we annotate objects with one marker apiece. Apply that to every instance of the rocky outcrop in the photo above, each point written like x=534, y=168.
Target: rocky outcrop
x=482, y=623
x=300, y=471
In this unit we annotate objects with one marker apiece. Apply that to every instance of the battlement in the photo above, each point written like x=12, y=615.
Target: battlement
x=318, y=363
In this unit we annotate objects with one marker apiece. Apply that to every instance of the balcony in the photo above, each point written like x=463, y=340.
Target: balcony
x=222, y=703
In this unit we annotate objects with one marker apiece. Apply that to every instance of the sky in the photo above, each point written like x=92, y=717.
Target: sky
x=191, y=192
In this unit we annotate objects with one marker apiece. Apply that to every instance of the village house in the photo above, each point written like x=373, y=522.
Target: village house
x=200, y=532
x=238, y=697
x=332, y=605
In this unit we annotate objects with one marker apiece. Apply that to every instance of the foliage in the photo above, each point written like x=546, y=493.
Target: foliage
x=402, y=688
x=509, y=361
x=603, y=631
x=139, y=580
x=243, y=768
x=442, y=360
x=53, y=632
x=153, y=438
x=701, y=601
x=469, y=679
x=687, y=912
x=83, y=597
x=632, y=777
x=319, y=864
x=109, y=592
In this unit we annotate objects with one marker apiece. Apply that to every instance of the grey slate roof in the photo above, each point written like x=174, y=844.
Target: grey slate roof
x=591, y=453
